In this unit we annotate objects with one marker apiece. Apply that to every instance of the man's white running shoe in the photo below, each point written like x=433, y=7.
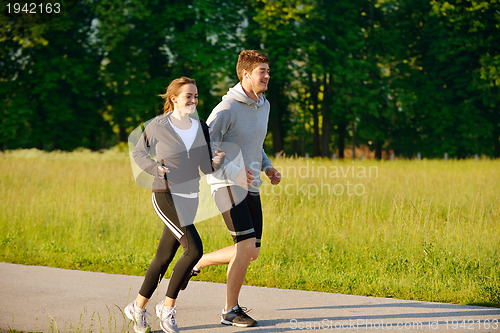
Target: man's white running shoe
x=138, y=316
x=168, y=323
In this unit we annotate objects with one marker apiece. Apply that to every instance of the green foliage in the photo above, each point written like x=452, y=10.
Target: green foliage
x=150, y=44
x=51, y=88
x=438, y=76
x=408, y=76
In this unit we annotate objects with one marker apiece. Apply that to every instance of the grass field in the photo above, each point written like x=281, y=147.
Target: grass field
x=426, y=230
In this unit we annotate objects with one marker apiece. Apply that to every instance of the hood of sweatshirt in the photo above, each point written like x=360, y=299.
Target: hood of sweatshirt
x=237, y=93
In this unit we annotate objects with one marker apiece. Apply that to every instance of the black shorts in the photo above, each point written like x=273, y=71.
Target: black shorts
x=242, y=212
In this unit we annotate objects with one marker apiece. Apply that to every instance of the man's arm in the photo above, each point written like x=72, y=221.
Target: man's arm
x=266, y=162
x=219, y=122
x=269, y=170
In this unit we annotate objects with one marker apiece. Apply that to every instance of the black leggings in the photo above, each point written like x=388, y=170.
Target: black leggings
x=177, y=231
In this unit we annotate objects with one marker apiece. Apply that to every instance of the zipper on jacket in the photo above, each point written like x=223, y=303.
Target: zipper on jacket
x=180, y=139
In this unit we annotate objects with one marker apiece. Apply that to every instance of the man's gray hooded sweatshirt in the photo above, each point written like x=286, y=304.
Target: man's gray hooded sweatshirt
x=238, y=127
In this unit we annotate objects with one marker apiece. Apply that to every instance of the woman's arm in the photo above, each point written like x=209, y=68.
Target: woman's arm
x=142, y=149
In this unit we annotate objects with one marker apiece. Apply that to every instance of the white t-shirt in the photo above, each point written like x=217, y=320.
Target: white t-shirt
x=187, y=137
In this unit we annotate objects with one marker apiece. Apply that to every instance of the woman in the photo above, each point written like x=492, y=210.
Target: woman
x=182, y=146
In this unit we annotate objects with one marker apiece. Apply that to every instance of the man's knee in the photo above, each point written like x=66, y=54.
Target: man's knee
x=255, y=254
x=247, y=249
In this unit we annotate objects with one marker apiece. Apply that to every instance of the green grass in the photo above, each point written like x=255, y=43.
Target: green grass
x=427, y=230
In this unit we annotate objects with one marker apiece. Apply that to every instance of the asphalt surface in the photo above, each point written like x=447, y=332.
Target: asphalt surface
x=44, y=299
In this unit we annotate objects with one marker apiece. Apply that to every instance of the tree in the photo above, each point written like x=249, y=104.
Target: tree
x=338, y=59
x=276, y=28
x=52, y=95
x=437, y=74
x=153, y=42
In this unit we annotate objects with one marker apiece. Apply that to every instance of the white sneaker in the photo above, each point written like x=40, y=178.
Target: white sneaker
x=138, y=316
x=168, y=323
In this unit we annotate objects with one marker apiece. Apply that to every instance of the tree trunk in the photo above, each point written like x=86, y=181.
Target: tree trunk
x=316, y=132
x=354, y=139
x=341, y=141
x=378, y=150
x=277, y=137
x=123, y=134
x=314, y=89
x=275, y=117
x=496, y=141
x=327, y=122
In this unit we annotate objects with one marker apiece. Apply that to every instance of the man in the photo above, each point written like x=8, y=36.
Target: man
x=238, y=126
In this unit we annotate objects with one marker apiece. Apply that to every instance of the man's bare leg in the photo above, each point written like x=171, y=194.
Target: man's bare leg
x=246, y=251
x=219, y=257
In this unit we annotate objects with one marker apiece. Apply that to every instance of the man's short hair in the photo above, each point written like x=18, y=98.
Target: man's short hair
x=248, y=60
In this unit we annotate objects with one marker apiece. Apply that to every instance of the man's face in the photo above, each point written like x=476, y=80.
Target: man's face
x=260, y=77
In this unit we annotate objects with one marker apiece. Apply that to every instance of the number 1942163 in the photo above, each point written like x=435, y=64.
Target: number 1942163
x=33, y=8
x=472, y=324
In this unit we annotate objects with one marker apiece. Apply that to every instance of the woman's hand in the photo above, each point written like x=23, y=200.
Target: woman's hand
x=162, y=171
x=218, y=159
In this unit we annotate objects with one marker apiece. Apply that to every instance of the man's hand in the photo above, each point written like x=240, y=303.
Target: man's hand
x=244, y=177
x=274, y=176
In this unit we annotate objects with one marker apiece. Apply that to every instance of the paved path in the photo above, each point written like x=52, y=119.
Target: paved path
x=43, y=299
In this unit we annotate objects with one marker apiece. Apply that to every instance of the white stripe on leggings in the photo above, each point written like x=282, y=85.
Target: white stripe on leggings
x=175, y=229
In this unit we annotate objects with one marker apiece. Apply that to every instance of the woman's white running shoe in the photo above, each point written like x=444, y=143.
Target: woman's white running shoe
x=168, y=323
x=138, y=316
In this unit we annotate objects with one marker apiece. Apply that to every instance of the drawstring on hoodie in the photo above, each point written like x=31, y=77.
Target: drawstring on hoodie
x=253, y=90
x=238, y=88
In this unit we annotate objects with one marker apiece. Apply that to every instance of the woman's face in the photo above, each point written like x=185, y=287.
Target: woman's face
x=187, y=99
